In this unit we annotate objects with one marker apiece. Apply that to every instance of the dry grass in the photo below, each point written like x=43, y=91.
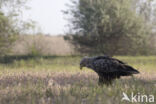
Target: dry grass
x=65, y=88
x=58, y=80
x=46, y=45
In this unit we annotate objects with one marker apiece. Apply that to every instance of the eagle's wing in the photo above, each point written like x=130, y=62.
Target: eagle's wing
x=121, y=62
x=109, y=58
x=106, y=64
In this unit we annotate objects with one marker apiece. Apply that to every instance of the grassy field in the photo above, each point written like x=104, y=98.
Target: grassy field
x=58, y=80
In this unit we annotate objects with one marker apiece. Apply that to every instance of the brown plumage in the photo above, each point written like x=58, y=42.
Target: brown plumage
x=107, y=68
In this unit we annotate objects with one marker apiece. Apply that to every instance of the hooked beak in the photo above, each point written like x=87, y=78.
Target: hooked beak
x=81, y=67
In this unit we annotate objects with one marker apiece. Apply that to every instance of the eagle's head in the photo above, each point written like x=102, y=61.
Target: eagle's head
x=84, y=62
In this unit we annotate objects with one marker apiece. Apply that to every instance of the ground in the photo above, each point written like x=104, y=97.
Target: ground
x=58, y=80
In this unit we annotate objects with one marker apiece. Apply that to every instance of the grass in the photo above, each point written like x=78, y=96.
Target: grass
x=58, y=80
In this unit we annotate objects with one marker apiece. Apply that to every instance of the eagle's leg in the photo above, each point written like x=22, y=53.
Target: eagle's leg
x=105, y=81
x=100, y=81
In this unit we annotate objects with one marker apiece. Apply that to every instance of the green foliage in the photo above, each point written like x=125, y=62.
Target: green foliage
x=7, y=34
x=9, y=23
x=67, y=63
x=113, y=27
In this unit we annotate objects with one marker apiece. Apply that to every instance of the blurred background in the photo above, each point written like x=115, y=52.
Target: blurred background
x=72, y=27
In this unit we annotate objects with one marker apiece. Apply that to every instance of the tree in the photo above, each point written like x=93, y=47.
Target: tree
x=9, y=28
x=7, y=34
x=112, y=27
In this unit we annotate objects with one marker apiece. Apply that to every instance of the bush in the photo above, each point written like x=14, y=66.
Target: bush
x=112, y=27
x=7, y=34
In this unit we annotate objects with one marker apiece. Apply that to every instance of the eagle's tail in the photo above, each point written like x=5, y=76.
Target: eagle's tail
x=129, y=70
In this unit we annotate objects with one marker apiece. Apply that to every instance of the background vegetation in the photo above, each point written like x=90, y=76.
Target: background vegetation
x=112, y=27
x=98, y=27
x=11, y=24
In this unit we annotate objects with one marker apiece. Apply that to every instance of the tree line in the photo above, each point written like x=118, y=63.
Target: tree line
x=96, y=27
x=112, y=27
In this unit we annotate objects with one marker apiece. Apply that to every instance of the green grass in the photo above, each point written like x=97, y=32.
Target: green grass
x=58, y=80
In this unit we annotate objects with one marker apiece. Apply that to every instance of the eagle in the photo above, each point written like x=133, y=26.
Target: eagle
x=107, y=68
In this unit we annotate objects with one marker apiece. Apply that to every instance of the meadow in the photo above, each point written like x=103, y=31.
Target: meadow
x=58, y=80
